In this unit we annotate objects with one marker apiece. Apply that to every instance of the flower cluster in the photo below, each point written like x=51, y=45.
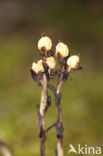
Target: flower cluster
x=48, y=63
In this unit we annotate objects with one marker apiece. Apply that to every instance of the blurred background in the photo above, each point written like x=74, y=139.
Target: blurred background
x=80, y=25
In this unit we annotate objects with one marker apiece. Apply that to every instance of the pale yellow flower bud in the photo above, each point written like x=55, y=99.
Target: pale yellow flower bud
x=73, y=61
x=50, y=61
x=62, y=49
x=45, y=42
x=37, y=67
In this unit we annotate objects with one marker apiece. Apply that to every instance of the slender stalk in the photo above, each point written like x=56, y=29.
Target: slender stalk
x=43, y=102
x=58, y=87
x=59, y=124
x=60, y=151
x=41, y=114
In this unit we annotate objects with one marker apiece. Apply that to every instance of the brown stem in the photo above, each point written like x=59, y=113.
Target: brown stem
x=59, y=124
x=60, y=151
x=41, y=115
x=58, y=87
x=43, y=102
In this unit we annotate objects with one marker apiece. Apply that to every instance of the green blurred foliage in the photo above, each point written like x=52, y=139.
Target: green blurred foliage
x=80, y=25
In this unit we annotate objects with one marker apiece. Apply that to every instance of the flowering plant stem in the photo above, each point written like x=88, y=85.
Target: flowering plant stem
x=60, y=151
x=42, y=72
x=41, y=115
x=59, y=123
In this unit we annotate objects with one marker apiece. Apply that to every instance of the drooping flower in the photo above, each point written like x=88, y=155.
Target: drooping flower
x=45, y=42
x=62, y=49
x=37, y=67
x=73, y=62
